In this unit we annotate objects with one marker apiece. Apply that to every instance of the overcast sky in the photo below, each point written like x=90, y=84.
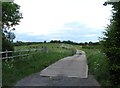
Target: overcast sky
x=75, y=20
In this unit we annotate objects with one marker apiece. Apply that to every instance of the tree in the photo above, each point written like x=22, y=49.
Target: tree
x=111, y=43
x=90, y=43
x=10, y=14
x=10, y=17
x=55, y=41
x=44, y=41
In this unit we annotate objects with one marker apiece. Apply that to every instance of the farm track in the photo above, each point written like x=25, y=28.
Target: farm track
x=69, y=71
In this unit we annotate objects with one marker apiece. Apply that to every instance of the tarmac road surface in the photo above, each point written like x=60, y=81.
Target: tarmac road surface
x=73, y=66
x=69, y=71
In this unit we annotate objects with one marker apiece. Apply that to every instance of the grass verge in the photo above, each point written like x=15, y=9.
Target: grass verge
x=17, y=68
x=98, y=65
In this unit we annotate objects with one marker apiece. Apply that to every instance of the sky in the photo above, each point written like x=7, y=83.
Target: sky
x=75, y=20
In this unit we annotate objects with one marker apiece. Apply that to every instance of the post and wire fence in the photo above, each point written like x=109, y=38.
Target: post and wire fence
x=20, y=53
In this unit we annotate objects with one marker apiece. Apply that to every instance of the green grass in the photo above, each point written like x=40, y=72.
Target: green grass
x=50, y=46
x=15, y=69
x=18, y=68
x=38, y=46
x=98, y=65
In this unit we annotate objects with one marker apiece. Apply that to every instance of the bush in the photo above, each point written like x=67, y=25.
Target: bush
x=7, y=45
x=113, y=54
x=98, y=65
x=111, y=44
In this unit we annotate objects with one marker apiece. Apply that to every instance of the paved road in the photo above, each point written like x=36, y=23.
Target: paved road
x=69, y=71
x=37, y=80
x=73, y=66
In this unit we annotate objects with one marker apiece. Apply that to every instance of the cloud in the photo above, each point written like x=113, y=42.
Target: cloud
x=62, y=19
x=75, y=32
x=90, y=35
x=27, y=38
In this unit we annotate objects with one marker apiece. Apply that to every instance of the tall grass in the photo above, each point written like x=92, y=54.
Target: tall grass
x=98, y=65
x=18, y=68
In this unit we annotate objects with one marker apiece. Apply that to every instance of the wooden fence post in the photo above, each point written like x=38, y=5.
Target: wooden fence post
x=6, y=54
x=29, y=53
x=19, y=53
x=46, y=50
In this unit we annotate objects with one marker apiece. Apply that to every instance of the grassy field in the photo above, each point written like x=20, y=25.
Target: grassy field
x=98, y=65
x=18, y=68
x=50, y=46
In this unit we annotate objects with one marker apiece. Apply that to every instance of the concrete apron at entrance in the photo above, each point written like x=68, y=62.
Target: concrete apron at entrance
x=72, y=66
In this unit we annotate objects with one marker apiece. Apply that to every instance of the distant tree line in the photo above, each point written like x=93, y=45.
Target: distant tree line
x=75, y=43
x=20, y=43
